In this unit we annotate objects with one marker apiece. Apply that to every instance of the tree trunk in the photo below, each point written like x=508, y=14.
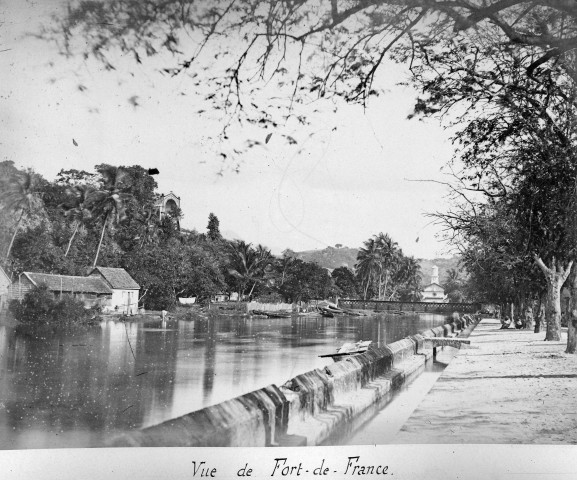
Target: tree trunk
x=386, y=282
x=14, y=235
x=71, y=238
x=540, y=314
x=529, y=318
x=572, y=315
x=555, y=276
x=520, y=306
x=252, y=289
x=368, y=285
x=553, y=311
x=100, y=242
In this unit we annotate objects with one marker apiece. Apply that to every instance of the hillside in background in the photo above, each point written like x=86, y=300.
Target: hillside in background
x=330, y=257
x=333, y=257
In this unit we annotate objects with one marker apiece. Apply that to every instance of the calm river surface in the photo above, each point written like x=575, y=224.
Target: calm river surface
x=76, y=389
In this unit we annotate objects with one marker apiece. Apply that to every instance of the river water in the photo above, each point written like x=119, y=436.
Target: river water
x=79, y=388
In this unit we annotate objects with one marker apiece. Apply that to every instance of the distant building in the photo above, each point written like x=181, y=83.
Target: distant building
x=4, y=289
x=433, y=292
x=124, y=289
x=168, y=203
x=222, y=297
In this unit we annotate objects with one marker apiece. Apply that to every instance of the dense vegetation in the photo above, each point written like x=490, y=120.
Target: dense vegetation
x=385, y=272
x=502, y=73
x=108, y=217
x=39, y=307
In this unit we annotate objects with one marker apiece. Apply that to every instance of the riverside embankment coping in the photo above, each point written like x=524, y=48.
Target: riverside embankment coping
x=306, y=410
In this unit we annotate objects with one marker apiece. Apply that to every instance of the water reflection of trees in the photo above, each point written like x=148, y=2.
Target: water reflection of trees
x=152, y=386
x=209, y=358
x=86, y=380
x=87, y=384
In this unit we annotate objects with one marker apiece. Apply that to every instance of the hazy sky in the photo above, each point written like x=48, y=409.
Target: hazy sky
x=340, y=186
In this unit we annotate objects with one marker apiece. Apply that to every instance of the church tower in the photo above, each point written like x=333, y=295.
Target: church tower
x=168, y=204
x=433, y=292
x=435, y=275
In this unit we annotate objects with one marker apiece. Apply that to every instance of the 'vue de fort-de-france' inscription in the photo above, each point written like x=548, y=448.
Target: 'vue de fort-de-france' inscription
x=284, y=467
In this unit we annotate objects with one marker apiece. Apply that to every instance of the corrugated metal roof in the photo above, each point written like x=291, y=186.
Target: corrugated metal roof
x=117, y=278
x=69, y=283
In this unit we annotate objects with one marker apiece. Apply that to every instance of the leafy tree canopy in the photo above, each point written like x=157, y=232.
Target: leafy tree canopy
x=269, y=59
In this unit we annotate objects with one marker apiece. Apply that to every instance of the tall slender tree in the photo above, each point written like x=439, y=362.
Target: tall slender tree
x=389, y=259
x=406, y=276
x=367, y=265
x=20, y=195
x=76, y=207
x=213, y=231
x=108, y=203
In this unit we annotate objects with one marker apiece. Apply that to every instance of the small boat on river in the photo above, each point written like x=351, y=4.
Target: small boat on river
x=349, y=349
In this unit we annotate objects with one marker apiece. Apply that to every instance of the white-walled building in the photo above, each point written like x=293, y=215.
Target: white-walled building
x=124, y=289
x=168, y=203
x=433, y=292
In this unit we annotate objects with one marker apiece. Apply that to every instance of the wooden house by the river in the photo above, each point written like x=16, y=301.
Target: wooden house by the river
x=92, y=291
x=111, y=288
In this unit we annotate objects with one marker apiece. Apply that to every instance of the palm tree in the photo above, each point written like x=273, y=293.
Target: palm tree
x=264, y=258
x=388, y=258
x=149, y=227
x=453, y=285
x=408, y=274
x=453, y=276
x=19, y=193
x=76, y=207
x=109, y=202
x=246, y=263
x=368, y=263
x=283, y=265
x=414, y=278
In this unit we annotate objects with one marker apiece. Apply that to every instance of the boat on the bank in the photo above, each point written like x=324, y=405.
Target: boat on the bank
x=348, y=349
x=279, y=314
x=328, y=309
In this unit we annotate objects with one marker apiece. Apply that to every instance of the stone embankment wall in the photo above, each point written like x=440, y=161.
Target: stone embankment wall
x=307, y=409
x=269, y=307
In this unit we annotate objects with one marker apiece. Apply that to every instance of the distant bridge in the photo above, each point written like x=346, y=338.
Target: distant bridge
x=417, y=307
